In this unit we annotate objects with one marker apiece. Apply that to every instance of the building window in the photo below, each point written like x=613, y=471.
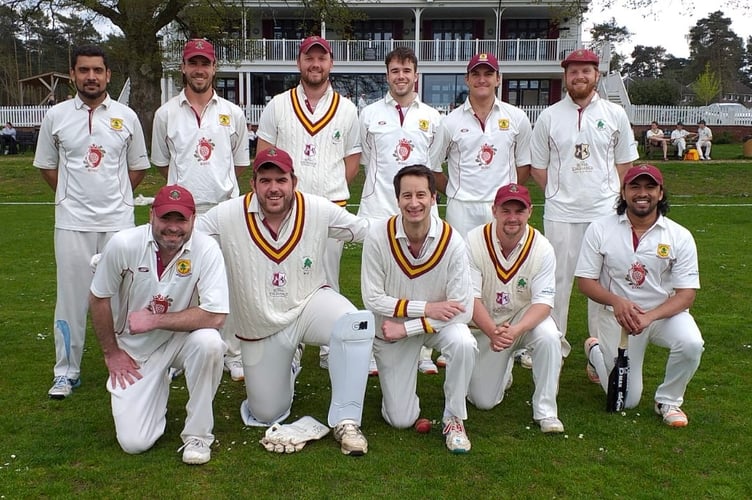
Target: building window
x=228, y=88
x=444, y=91
x=528, y=92
x=525, y=29
x=293, y=29
x=377, y=30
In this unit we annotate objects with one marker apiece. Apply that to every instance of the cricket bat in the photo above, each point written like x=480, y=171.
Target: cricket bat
x=616, y=396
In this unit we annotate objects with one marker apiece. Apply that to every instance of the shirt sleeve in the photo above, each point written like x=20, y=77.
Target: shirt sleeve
x=685, y=272
x=345, y=226
x=625, y=149
x=138, y=157
x=543, y=284
x=438, y=149
x=267, y=127
x=241, y=141
x=213, y=293
x=160, y=153
x=524, y=138
x=540, y=153
x=363, y=123
x=110, y=269
x=352, y=137
x=590, y=261
x=46, y=153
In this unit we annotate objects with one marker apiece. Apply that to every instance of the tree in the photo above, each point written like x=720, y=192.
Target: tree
x=707, y=86
x=613, y=33
x=647, y=62
x=713, y=45
x=655, y=91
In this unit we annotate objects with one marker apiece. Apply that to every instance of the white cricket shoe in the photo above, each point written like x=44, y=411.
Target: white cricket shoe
x=235, y=368
x=195, y=451
x=62, y=387
x=551, y=425
x=351, y=439
x=455, y=436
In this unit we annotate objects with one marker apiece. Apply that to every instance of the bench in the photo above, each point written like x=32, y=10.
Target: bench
x=26, y=139
x=656, y=150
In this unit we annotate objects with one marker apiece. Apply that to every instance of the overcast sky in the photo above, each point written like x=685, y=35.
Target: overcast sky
x=670, y=24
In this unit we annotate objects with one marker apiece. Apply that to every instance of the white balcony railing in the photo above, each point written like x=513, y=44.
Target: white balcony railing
x=238, y=51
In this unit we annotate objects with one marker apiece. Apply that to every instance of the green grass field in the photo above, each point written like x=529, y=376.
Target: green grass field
x=53, y=449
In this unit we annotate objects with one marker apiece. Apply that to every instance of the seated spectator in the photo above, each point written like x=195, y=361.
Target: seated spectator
x=679, y=139
x=656, y=137
x=252, y=140
x=8, y=138
x=704, y=140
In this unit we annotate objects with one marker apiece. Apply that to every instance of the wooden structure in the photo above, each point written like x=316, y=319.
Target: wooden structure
x=47, y=82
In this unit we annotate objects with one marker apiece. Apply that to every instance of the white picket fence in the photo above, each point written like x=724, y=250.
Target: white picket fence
x=31, y=116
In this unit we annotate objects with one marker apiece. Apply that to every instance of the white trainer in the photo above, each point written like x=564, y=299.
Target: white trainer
x=454, y=433
x=195, y=451
x=427, y=367
x=551, y=425
x=62, y=387
x=235, y=367
x=351, y=439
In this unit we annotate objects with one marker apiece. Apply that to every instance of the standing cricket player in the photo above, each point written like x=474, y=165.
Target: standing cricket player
x=396, y=131
x=274, y=240
x=513, y=267
x=91, y=152
x=581, y=147
x=147, y=322
x=200, y=141
x=642, y=268
x=415, y=277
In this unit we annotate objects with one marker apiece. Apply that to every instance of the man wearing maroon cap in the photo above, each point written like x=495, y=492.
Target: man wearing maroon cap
x=274, y=240
x=581, y=147
x=153, y=325
x=641, y=267
x=512, y=267
x=486, y=144
x=200, y=141
x=319, y=128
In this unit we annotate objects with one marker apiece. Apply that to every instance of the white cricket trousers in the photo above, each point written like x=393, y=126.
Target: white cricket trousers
x=493, y=369
x=678, y=333
x=566, y=238
x=140, y=409
x=464, y=216
x=73, y=252
x=396, y=361
x=269, y=380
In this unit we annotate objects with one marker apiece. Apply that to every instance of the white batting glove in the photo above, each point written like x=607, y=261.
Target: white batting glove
x=291, y=438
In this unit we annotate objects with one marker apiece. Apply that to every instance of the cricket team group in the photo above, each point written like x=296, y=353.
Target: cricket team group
x=221, y=281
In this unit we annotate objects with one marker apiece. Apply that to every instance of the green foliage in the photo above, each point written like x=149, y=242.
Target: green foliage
x=66, y=449
x=707, y=86
x=613, y=33
x=657, y=92
x=713, y=44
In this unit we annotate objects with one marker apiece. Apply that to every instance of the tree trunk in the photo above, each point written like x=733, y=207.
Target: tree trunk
x=145, y=72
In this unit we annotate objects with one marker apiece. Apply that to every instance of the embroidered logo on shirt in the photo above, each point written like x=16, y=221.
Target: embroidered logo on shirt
x=94, y=156
x=403, y=150
x=423, y=125
x=504, y=124
x=204, y=149
x=485, y=155
x=582, y=151
x=663, y=250
x=224, y=120
x=600, y=124
x=116, y=123
x=502, y=298
x=159, y=304
x=183, y=267
x=636, y=275
x=279, y=279
x=307, y=265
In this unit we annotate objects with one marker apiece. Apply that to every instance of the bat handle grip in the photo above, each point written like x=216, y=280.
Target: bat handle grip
x=624, y=339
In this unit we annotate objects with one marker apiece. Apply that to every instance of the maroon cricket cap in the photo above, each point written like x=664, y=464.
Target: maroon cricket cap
x=483, y=58
x=276, y=157
x=174, y=199
x=581, y=56
x=311, y=41
x=513, y=192
x=644, y=169
x=198, y=47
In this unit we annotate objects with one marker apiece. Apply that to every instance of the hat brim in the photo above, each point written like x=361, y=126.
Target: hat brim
x=165, y=209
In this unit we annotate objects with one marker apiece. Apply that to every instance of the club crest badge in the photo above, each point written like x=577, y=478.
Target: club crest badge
x=204, y=149
x=224, y=120
x=582, y=151
x=309, y=150
x=663, y=250
x=423, y=125
x=403, y=150
x=636, y=275
x=279, y=279
x=183, y=267
x=503, y=123
x=94, y=156
x=485, y=155
x=116, y=123
x=160, y=304
x=502, y=298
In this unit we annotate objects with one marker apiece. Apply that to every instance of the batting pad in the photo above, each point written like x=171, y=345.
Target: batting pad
x=289, y=438
x=349, y=355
